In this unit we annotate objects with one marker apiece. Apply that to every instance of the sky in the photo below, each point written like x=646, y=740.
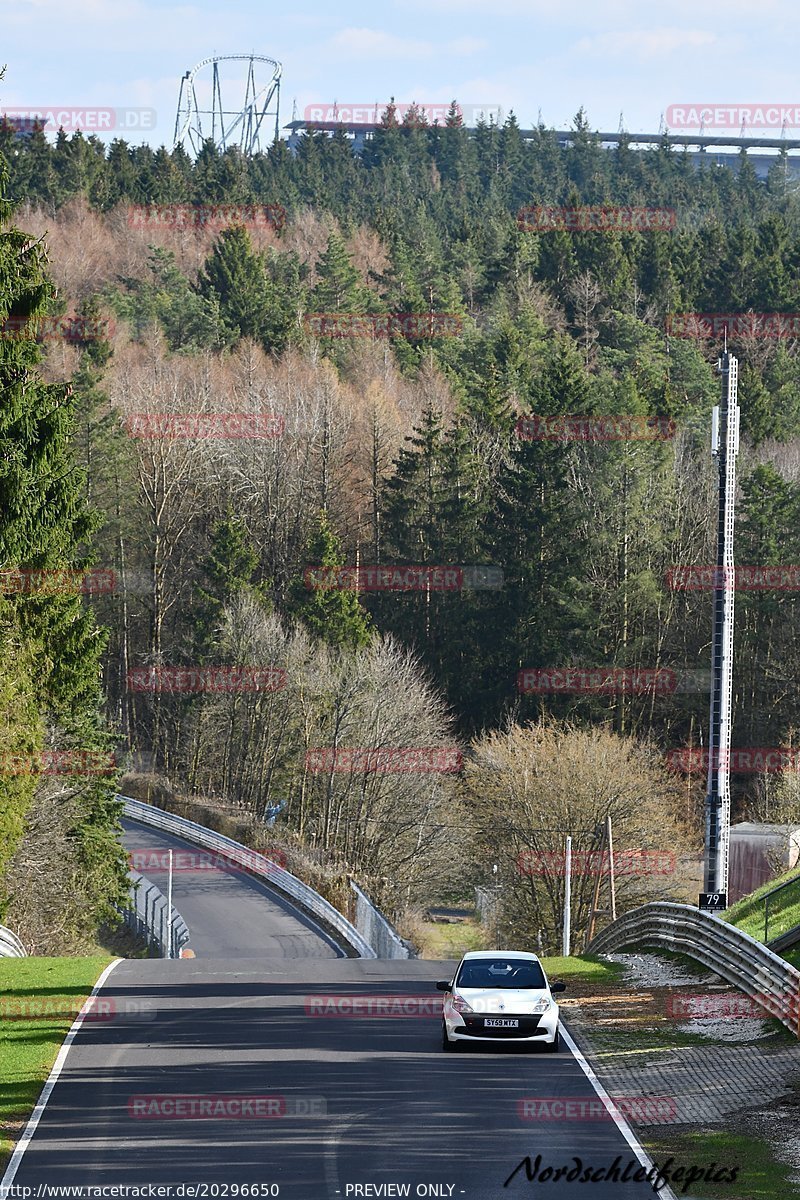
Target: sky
x=637, y=61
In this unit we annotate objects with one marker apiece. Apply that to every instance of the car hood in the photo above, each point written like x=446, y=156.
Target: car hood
x=498, y=1000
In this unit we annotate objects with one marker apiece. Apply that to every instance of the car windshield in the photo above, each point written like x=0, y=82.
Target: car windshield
x=501, y=973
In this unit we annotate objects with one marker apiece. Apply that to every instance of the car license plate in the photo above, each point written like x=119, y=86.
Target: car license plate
x=500, y=1023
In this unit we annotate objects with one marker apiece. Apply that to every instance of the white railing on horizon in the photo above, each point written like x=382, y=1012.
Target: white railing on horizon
x=255, y=864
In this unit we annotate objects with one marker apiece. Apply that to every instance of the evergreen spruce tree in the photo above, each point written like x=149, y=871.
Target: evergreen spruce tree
x=45, y=525
x=228, y=569
x=237, y=279
x=339, y=287
x=332, y=614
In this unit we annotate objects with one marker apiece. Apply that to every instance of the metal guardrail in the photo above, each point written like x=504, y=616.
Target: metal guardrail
x=786, y=940
x=769, y=902
x=148, y=916
x=10, y=945
x=767, y=979
x=375, y=929
x=255, y=864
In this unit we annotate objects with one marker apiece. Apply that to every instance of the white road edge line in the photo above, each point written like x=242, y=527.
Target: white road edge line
x=616, y=1116
x=52, y=1080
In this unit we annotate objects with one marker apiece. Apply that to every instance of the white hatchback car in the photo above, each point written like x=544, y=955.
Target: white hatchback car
x=500, y=996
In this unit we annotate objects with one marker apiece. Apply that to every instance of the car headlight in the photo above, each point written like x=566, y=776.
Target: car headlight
x=541, y=1006
x=460, y=1004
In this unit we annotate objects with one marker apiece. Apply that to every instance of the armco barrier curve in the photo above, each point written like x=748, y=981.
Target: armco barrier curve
x=10, y=945
x=256, y=864
x=766, y=978
x=147, y=916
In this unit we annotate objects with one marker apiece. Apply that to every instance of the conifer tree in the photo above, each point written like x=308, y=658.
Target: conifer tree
x=331, y=613
x=227, y=570
x=45, y=526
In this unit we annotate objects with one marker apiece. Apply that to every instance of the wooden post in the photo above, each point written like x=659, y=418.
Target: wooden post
x=611, y=881
x=596, y=894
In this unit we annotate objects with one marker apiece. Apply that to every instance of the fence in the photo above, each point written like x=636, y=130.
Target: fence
x=375, y=929
x=738, y=958
x=148, y=917
x=779, y=901
x=487, y=901
x=10, y=945
x=255, y=864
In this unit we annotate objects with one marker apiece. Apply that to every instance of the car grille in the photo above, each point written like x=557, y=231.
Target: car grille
x=528, y=1026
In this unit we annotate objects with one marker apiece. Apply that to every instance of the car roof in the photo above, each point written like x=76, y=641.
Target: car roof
x=473, y=954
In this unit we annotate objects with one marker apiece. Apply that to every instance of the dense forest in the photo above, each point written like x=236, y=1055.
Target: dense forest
x=405, y=450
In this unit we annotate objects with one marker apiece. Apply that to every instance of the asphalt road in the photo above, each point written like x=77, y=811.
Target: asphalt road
x=273, y=1071
x=230, y=914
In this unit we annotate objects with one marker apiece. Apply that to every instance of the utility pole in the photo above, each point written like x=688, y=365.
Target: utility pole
x=612, y=885
x=169, y=910
x=724, y=448
x=496, y=904
x=565, y=949
x=606, y=854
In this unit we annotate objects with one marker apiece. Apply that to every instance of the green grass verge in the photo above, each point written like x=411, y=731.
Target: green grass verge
x=30, y=1041
x=584, y=967
x=760, y=1176
x=747, y=914
x=793, y=956
x=440, y=940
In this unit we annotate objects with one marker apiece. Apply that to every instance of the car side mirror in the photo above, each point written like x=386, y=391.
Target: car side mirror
x=558, y=987
x=443, y=985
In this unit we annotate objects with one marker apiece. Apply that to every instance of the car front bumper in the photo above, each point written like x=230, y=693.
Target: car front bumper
x=470, y=1027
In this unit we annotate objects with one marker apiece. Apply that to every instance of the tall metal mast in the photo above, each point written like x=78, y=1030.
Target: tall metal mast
x=724, y=448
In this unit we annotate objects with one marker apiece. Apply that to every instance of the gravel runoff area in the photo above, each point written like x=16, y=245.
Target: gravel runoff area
x=736, y=1072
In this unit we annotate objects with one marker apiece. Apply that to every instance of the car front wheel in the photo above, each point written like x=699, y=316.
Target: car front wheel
x=554, y=1046
x=447, y=1045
